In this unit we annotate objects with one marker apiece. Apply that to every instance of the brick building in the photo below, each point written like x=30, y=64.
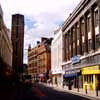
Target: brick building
x=39, y=59
x=81, y=45
x=17, y=37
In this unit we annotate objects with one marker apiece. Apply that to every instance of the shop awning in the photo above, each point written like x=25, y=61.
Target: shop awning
x=70, y=75
x=41, y=75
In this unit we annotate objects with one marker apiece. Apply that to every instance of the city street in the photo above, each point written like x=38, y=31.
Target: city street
x=47, y=93
x=36, y=92
x=49, y=50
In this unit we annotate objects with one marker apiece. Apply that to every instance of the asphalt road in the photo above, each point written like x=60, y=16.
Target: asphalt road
x=48, y=93
x=34, y=92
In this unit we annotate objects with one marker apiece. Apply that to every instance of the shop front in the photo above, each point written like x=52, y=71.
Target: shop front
x=73, y=79
x=57, y=79
x=91, y=77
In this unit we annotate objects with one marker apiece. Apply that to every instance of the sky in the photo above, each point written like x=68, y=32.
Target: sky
x=42, y=17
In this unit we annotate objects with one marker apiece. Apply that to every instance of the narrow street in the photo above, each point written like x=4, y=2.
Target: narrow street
x=36, y=92
x=47, y=93
x=49, y=50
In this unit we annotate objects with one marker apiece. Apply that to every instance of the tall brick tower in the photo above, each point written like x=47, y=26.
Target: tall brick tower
x=17, y=37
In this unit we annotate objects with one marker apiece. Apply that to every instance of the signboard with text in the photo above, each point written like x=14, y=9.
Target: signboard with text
x=76, y=59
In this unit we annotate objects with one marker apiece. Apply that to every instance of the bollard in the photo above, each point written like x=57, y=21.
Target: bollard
x=78, y=89
x=86, y=89
x=78, y=85
x=96, y=92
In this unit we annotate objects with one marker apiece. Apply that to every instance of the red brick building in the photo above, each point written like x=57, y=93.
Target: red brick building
x=39, y=59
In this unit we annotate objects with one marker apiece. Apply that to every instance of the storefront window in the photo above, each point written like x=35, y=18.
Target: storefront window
x=92, y=78
x=88, y=78
x=85, y=78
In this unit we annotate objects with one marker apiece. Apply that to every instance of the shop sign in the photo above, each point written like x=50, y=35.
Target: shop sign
x=75, y=59
x=91, y=70
x=72, y=71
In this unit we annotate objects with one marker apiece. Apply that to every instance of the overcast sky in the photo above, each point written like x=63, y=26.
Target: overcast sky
x=42, y=17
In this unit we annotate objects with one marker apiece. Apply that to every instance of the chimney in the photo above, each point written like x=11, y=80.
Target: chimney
x=38, y=42
x=43, y=39
x=29, y=48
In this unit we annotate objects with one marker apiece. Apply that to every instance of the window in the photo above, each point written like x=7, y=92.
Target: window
x=83, y=35
x=74, y=37
x=97, y=35
x=91, y=79
x=96, y=18
x=78, y=33
x=88, y=23
x=16, y=48
x=89, y=32
x=0, y=23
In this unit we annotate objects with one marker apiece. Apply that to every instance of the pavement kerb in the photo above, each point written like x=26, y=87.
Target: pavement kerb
x=73, y=92
x=83, y=95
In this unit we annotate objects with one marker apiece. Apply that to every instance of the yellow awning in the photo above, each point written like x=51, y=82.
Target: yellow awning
x=91, y=70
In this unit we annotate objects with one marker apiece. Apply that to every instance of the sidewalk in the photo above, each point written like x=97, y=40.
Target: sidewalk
x=90, y=94
x=19, y=91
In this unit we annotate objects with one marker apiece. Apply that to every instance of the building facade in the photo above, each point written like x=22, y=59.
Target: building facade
x=39, y=60
x=81, y=55
x=17, y=37
x=5, y=50
x=5, y=42
x=56, y=58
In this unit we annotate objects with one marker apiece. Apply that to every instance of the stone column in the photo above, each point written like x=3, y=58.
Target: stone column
x=92, y=28
x=86, y=34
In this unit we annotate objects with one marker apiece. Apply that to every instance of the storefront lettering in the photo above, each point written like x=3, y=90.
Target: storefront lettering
x=75, y=59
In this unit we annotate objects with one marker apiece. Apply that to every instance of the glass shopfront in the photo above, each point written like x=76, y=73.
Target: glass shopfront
x=91, y=77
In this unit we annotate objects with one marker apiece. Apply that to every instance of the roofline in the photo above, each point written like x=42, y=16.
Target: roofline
x=74, y=13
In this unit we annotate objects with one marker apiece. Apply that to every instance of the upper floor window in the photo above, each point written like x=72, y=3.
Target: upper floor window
x=0, y=23
x=88, y=23
x=83, y=30
x=96, y=23
x=78, y=35
x=96, y=17
x=74, y=34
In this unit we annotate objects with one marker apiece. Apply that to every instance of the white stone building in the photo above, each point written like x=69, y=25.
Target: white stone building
x=56, y=58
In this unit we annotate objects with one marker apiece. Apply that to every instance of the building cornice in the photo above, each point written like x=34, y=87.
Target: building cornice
x=76, y=12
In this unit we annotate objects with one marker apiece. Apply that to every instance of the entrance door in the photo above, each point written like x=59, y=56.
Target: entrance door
x=98, y=83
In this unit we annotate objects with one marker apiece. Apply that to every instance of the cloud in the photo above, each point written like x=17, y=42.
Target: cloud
x=42, y=17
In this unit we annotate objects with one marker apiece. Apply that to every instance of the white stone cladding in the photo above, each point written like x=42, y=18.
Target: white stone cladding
x=56, y=53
